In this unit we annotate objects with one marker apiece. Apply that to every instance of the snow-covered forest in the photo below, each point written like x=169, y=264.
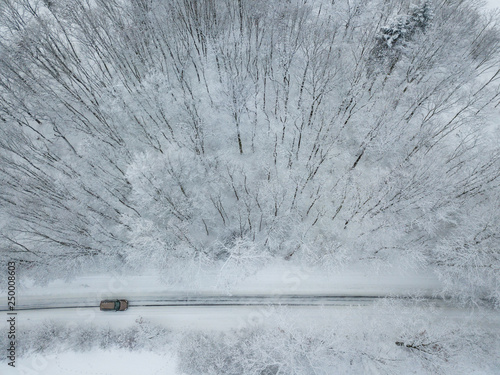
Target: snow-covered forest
x=167, y=133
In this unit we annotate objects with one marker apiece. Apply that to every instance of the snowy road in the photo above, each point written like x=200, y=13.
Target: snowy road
x=276, y=285
x=222, y=313
x=273, y=286
x=208, y=304
x=241, y=312
x=220, y=300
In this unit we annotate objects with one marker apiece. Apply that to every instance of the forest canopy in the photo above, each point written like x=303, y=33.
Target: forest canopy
x=159, y=133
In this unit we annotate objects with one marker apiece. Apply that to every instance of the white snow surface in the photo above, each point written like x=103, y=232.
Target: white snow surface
x=95, y=362
x=383, y=317
x=275, y=279
x=492, y=4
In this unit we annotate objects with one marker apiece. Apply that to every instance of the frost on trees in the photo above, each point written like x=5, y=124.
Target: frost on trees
x=204, y=131
x=392, y=39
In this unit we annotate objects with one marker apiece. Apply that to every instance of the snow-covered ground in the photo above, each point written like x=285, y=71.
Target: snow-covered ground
x=95, y=362
x=386, y=322
x=277, y=279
